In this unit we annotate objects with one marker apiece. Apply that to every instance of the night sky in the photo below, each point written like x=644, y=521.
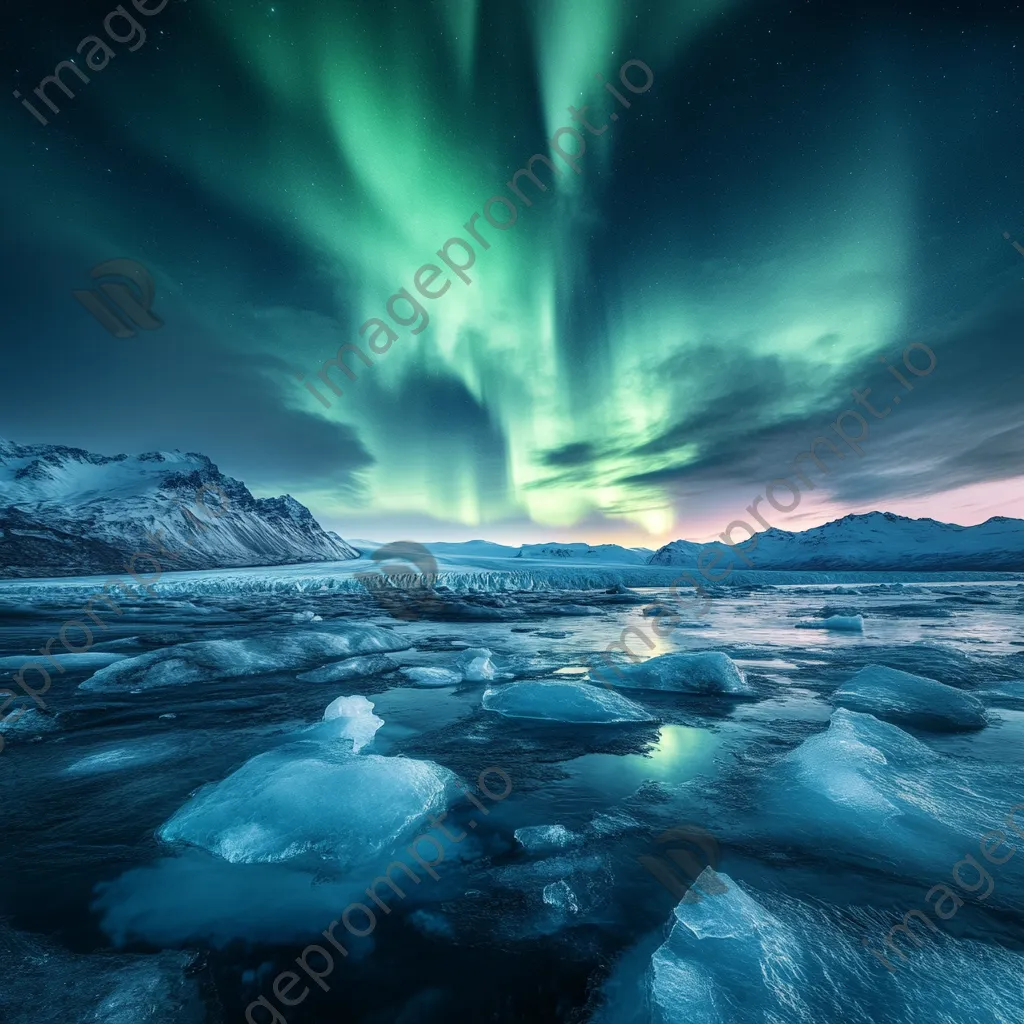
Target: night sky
x=804, y=187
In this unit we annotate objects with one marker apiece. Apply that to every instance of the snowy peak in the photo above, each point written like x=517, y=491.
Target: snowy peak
x=66, y=511
x=874, y=541
x=604, y=553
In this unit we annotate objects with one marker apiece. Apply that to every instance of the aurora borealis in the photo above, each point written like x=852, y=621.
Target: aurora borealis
x=804, y=188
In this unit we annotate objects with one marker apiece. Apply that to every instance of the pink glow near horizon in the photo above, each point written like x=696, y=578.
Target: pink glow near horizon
x=964, y=506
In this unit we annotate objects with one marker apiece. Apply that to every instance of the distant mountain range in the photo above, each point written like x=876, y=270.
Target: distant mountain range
x=69, y=512
x=586, y=552
x=603, y=554
x=877, y=540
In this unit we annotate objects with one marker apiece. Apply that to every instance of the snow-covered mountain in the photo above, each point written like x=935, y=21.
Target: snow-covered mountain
x=69, y=512
x=472, y=549
x=586, y=552
x=878, y=540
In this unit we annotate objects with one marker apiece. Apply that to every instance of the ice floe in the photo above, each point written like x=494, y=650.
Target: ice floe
x=351, y=668
x=559, y=701
x=865, y=792
x=910, y=699
x=423, y=675
x=544, y=838
x=48, y=985
x=735, y=956
x=703, y=672
x=121, y=758
x=232, y=659
x=473, y=665
x=476, y=666
x=354, y=719
x=308, y=800
x=840, y=623
x=86, y=661
x=30, y=722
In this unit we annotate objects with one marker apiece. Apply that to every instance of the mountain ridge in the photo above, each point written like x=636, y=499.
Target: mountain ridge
x=66, y=511
x=871, y=540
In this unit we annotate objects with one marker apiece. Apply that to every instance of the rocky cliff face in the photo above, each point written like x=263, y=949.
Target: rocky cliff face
x=69, y=512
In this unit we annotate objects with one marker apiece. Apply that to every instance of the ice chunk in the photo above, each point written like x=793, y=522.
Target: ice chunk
x=544, y=838
x=840, y=623
x=424, y=676
x=836, y=609
x=560, y=895
x=865, y=792
x=740, y=956
x=911, y=700
x=232, y=659
x=83, y=661
x=561, y=891
x=1010, y=688
x=115, y=759
x=476, y=666
x=351, y=668
x=355, y=720
x=682, y=978
x=307, y=799
x=563, y=702
x=95, y=988
x=703, y=672
x=23, y=721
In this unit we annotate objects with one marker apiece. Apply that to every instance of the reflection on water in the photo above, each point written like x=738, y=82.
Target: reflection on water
x=680, y=753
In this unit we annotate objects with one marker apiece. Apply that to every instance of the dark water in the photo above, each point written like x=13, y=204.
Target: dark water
x=507, y=932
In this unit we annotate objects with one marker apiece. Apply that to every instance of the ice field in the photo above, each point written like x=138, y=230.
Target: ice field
x=242, y=754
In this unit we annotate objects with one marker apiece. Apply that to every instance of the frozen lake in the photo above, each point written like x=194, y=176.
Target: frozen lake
x=135, y=889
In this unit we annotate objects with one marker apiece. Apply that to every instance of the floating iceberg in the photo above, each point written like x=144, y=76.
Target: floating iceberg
x=355, y=720
x=840, y=623
x=115, y=759
x=231, y=659
x=84, y=661
x=30, y=722
x=865, y=792
x=563, y=702
x=476, y=666
x=743, y=957
x=544, y=838
x=704, y=672
x=560, y=895
x=307, y=799
x=114, y=989
x=425, y=676
x=351, y=668
x=911, y=700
